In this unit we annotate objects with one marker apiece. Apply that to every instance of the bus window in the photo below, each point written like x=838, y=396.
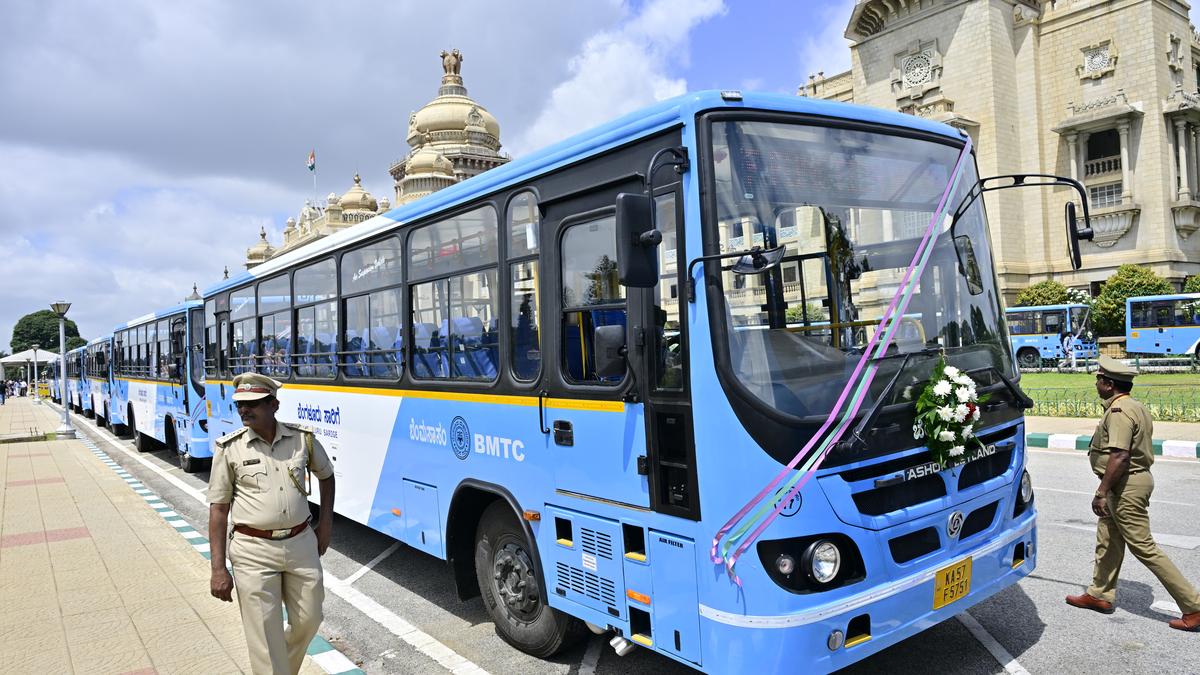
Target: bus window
x=454, y=327
x=1053, y=322
x=316, y=324
x=211, y=361
x=1163, y=315
x=461, y=242
x=244, y=347
x=592, y=295
x=162, y=352
x=241, y=304
x=523, y=234
x=276, y=333
x=667, y=336
x=372, y=345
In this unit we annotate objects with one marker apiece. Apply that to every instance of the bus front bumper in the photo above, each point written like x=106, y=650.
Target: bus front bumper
x=897, y=610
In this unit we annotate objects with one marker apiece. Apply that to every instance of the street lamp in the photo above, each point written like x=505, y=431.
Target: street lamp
x=60, y=308
x=37, y=399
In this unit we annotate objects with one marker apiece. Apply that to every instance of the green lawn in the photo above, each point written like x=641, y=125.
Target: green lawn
x=1170, y=396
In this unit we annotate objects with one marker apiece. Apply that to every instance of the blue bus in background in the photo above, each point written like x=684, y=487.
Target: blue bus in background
x=77, y=385
x=1163, y=324
x=462, y=358
x=1040, y=333
x=97, y=388
x=158, y=393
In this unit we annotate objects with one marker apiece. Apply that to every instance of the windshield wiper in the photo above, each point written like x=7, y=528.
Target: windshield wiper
x=857, y=439
x=1024, y=402
x=924, y=351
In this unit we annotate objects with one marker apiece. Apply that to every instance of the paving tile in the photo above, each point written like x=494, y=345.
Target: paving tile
x=72, y=579
x=185, y=648
x=18, y=630
x=216, y=662
x=24, y=617
x=48, y=659
x=148, y=616
x=87, y=600
x=100, y=631
x=116, y=655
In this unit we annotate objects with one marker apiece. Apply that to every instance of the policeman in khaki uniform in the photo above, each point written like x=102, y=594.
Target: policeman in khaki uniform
x=1121, y=453
x=260, y=482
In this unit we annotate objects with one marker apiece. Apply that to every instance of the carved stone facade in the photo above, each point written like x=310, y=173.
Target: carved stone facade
x=1098, y=90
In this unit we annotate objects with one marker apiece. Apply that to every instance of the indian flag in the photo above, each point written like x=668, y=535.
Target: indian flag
x=312, y=160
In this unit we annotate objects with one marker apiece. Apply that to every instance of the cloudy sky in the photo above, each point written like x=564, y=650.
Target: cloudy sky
x=144, y=143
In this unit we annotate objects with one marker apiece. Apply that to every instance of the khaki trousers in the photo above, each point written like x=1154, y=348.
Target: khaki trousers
x=1128, y=525
x=269, y=575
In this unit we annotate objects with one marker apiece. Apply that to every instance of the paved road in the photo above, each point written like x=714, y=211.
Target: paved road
x=1030, y=621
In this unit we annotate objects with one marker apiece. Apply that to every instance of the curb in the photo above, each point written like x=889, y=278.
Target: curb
x=1178, y=449
x=325, y=655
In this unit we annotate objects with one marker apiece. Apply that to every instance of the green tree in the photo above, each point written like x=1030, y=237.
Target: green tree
x=41, y=328
x=1193, y=284
x=1108, y=312
x=1043, y=293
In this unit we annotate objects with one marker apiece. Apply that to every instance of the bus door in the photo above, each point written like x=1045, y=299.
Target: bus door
x=593, y=417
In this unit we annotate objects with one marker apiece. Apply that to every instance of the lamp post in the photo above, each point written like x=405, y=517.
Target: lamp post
x=60, y=308
x=37, y=399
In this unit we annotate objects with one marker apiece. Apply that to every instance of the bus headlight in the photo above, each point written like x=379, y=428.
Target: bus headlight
x=822, y=560
x=786, y=564
x=1026, y=488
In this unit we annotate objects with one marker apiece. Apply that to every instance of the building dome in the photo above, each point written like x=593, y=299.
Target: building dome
x=258, y=253
x=427, y=161
x=358, y=199
x=451, y=113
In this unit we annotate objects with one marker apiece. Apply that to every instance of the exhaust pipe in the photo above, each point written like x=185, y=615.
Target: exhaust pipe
x=621, y=646
x=595, y=629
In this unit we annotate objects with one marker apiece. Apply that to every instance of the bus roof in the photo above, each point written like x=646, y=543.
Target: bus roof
x=1070, y=305
x=680, y=110
x=161, y=314
x=1171, y=296
x=100, y=340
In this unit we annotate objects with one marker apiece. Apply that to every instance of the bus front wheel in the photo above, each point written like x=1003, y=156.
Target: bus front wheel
x=1029, y=358
x=511, y=591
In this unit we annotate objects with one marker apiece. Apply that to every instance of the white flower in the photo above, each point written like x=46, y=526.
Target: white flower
x=951, y=372
x=907, y=393
x=946, y=413
x=975, y=415
x=957, y=451
x=965, y=381
x=942, y=388
x=946, y=436
x=960, y=413
x=968, y=431
x=963, y=394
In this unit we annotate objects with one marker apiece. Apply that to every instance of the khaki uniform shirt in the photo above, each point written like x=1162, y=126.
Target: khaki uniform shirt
x=259, y=479
x=1125, y=425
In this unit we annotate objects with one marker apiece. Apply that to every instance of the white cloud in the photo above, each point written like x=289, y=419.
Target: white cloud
x=824, y=46
x=620, y=70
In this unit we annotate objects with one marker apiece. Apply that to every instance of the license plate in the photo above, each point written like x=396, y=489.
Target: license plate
x=952, y=583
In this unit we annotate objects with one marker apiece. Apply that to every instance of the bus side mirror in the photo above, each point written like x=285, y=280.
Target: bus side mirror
x=1074, y=234
x=637, y=239
x=609, y=345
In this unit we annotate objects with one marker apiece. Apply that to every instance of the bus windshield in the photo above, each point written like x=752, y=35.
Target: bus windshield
x=850, y=207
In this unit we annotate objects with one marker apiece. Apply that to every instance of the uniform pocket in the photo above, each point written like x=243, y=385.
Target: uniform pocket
x=251, y=478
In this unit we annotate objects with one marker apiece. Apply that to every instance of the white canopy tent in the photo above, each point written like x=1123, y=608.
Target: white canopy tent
x=21, y=359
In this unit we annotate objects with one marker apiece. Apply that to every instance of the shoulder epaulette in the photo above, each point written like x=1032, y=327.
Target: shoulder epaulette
x=224, y=440
x=300, y=427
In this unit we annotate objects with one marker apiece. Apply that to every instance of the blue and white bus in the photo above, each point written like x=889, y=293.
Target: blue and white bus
x=97, y=389
x=564, y=375
x=77, y=380
x=158, y=396
x=1044, y=333
x=1163, y=324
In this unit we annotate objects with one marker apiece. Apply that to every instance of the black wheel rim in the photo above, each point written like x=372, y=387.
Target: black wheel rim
x=514, y=580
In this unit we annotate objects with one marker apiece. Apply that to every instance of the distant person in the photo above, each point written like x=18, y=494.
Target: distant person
x=1121, y=453
x=259, y=482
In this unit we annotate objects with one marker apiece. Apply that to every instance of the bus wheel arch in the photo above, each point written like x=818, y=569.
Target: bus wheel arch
x=471, y=498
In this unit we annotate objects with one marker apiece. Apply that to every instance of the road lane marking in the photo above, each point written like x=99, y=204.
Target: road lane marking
x=990, y=643
x=1166, y=606
x=418, y=639
x=1172, y=540
x=1037, y=488
x=591, y=658
x=374, y=561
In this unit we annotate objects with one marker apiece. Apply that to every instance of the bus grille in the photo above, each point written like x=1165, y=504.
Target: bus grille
x=895, y=497
x=586, y=583
x=596, y=543
x=979, y=520
x=984, y=469
x=914, y=544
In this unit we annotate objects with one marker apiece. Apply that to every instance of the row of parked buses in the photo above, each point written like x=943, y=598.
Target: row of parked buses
x=565, y=376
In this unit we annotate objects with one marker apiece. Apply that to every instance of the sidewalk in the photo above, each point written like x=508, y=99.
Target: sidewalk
x=1171, y=439
x=92, y=579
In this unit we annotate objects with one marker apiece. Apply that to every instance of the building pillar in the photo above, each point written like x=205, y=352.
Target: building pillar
x=1193, y=156
x=1126, y=179
x=1073, y=152
x=1181, y=143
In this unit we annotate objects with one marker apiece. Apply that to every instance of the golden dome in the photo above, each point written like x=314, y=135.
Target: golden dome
x=452, y=113
x=358, y=199
x=427, y=160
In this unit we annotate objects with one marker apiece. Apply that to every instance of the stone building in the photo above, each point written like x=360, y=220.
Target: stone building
x=1104, y=91
x=452, y=138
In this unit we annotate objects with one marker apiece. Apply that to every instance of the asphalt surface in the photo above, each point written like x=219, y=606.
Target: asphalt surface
x=1030, y=620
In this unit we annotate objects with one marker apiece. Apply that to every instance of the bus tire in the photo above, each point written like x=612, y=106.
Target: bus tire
x=143, y=442
x=1029, y=358
x=511, y=591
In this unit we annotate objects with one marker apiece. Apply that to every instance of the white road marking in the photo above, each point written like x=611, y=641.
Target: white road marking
x=374, y=561
x=1166, y=606
x=1083, y=455
x=1172, y=540
x=333, y=661
x=592, y=656
x=1037, y=488
x=996, y=649
x=420, y=640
